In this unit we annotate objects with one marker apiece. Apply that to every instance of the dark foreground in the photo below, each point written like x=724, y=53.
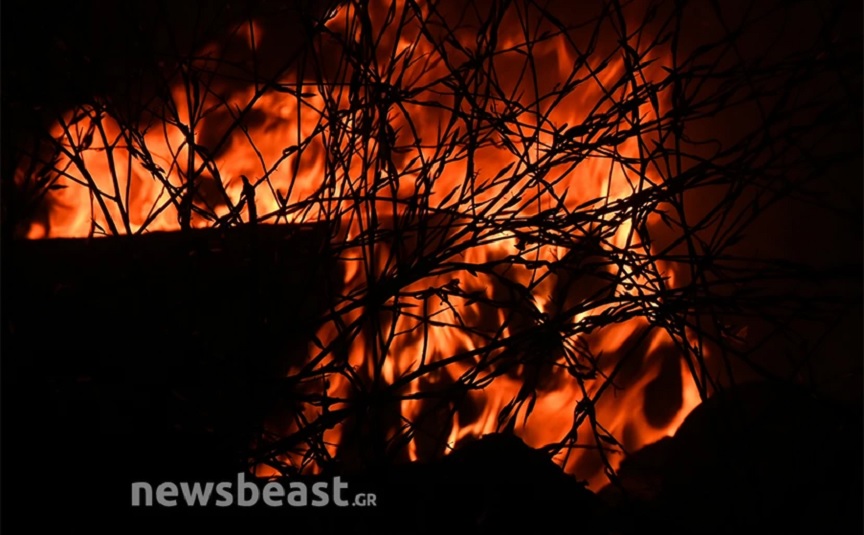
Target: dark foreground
x=144, y=360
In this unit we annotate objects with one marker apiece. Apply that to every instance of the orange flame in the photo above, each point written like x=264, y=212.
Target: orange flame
x=461, y=146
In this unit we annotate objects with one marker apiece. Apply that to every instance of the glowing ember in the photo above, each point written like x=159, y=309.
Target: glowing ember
x=502, y=204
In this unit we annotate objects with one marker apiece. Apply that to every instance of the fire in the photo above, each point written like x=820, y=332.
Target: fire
x=482, y=171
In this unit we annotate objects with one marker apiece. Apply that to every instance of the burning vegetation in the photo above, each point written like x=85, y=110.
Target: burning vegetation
x=568, y=223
